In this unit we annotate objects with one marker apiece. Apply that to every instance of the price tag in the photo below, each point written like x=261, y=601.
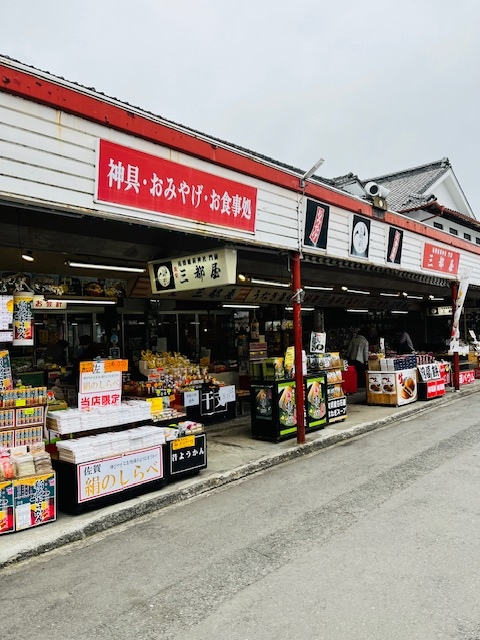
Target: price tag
x=183, y=443
x=191, y=399
x=157, y=404
x=227, y=394
x=20, y=403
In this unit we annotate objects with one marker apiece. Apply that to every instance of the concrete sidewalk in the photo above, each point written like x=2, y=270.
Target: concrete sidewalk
x=232, y=455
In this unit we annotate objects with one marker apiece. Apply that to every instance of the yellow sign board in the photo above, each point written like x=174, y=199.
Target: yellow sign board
x=183, y=443
x=115, y=365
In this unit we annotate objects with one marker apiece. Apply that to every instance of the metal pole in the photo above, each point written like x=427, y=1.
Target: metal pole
x=297, y=342
x=456, y=355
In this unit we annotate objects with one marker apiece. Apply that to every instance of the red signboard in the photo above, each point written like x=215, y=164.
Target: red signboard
x=440, y=259
x=138, y=180
x=466, y=377
x=435, y=388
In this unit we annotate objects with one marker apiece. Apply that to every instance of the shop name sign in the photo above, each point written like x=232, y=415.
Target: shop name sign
x=209, y=269
x=440, y=259
x=138, y=180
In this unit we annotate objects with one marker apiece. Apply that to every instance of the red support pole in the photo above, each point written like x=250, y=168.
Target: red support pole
x=456, y=355
x=297, y=342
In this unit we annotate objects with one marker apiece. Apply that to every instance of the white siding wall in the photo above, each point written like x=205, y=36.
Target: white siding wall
x=48, y=157
x=339, y=234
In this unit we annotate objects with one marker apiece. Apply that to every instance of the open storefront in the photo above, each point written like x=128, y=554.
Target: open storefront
x=198, y=264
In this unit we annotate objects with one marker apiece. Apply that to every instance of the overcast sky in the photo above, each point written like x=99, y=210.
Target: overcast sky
x=373, y=87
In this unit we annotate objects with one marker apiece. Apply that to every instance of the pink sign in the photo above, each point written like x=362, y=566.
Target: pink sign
x=440, y=259
x=138, y=180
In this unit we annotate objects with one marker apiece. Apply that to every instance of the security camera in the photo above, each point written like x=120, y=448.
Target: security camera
x=373, y=189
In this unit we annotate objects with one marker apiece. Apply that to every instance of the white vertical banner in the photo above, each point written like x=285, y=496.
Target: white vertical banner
x=459, y=302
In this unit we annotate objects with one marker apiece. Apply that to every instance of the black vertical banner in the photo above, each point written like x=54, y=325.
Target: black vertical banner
x=395, y=243
x=360, y=240
x=316, y=224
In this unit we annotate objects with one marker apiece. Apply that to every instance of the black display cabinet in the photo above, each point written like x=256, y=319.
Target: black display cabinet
x=274, y=408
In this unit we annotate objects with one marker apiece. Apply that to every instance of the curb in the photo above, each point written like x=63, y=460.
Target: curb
x=149, y=503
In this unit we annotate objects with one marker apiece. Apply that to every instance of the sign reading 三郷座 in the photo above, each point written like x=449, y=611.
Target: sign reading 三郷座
x=209, y=269
x=139, y=180
x=440, y=259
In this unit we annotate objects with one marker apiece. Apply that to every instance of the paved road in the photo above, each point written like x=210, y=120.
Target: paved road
x=378, y=538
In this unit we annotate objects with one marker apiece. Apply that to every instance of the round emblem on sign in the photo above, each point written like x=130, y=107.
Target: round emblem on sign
x=163, y=276
x=360, y=237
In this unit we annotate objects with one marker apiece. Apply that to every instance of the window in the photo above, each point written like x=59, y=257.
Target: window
x=477, y=240
x=467, y=236
x=438, y=225
x=453, y=231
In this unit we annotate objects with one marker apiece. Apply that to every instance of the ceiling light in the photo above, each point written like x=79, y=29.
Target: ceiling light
x=241, y=306
x=104, y=267
x=242, y=277
x=399, y=311
x=433, y=298
x=357, y=310
x=302, y=309
x=269, y=283
x=414, y=297
x=28, y=256
x=390, y=295
x=363, y=293
x=315, y=288
x=344, y=288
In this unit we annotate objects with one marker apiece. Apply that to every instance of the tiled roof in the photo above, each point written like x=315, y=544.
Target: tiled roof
x=408, y=187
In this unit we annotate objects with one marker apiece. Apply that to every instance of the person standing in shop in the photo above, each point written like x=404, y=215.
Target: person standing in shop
x=357, y=355
x=404, y=343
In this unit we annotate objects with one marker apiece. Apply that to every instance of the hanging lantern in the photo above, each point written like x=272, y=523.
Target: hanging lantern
x=23, y=322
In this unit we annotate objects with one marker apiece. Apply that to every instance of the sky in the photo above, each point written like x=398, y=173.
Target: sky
x=372, y=87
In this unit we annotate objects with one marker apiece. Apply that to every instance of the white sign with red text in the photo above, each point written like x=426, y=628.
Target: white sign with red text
x=100, y=389
x=104, y=477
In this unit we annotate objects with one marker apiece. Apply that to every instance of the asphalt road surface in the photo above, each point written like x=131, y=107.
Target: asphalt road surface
x=377, y=538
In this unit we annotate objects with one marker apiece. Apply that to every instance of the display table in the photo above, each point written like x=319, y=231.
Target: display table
x=392, y=387
x=431, y=380
x=208, y=403
x=185, y=456
x=95, y=484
